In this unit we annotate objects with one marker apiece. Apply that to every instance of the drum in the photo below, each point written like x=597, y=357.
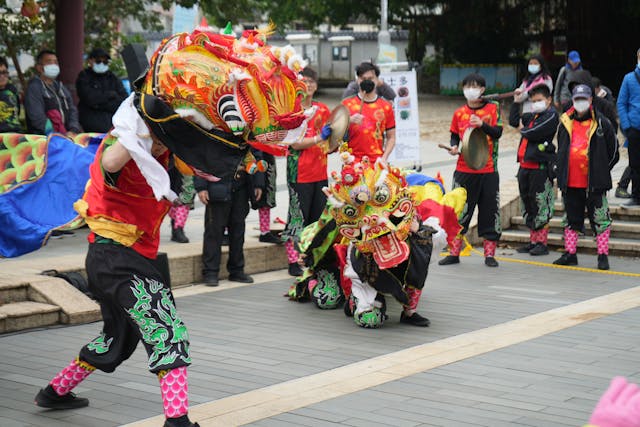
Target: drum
x=475, y=148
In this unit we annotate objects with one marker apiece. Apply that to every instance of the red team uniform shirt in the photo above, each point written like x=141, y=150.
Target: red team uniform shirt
x=490, y=114
x=367, y=138
x=579, y=155
x=310, y=164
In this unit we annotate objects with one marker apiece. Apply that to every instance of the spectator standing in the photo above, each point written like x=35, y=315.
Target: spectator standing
x=537, y=74
x=629, y=111
x=368, y=70
x=9, y=101
x=227, y=205
x=307, y=171
x=587, y=151
x=48, y=104
x=562, y=94
x=100, y=93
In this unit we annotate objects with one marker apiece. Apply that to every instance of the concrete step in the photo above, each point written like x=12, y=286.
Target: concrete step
x=619, y=229
x=17, y=316
x=586, y=244
x=13, y=292
x=618, y=212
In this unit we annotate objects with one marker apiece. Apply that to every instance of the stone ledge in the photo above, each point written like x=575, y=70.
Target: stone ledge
x=75, y=306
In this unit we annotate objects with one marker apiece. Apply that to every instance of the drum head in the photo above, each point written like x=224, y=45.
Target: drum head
x=339, y=123
x=475, y=148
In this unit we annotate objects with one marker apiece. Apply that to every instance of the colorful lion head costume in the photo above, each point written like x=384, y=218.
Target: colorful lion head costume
x=374, y=206
x=206, y=95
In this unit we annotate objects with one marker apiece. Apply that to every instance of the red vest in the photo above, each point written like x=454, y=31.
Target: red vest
x=131, y=202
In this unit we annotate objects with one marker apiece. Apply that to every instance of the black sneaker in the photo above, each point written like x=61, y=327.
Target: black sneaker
x=525, y=249
x=449, y=259
x=240, y=277
x=182, y=421
x=622, y=193
x=177, y=235
x=567, y=259
x=490, y=261
x=603, y=262
x=211, y=279
x=632, y=203
x=270, y=238
x=539, y=249
x=415, y=319
x=294, y=269
x=48, y=398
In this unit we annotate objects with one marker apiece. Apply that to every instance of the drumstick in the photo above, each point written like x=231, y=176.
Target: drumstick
x=446, y=147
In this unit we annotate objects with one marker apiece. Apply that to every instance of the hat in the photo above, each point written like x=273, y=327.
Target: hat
x=574, y=56
x=581, y=91
x=99, y=52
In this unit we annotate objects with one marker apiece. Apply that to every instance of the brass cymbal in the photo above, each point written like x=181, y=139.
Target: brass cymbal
x=475, y=148
x=339, y=123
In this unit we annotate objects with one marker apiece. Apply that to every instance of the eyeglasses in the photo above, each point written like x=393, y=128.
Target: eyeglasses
x=4, y=73
x=101, y=61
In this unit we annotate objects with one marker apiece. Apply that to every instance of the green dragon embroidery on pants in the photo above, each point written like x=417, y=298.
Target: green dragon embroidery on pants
x=295, y=222
x=101, y=344
x=164, y=332
x=498, y=221
x=546, y=205
x=601, y=216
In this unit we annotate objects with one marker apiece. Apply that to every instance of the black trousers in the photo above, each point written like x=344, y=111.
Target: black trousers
x=312, y=200
x=136, y=305
x=537, y=196
x=483, y=190
x=576, y=200
x=633, y=135
x=217, y=216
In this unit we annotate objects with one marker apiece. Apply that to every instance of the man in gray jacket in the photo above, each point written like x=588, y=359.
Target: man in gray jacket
x=48, y=104
x=562, y=93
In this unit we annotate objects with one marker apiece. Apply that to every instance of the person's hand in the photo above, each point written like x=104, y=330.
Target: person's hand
x=356, y=118
x=301, y=259
x=454, y=150
x=619, y=406
x=71, y=134
x=257, y=192
x=203, y=196
x=475, y=121
x=558, y=106
x=325, y=132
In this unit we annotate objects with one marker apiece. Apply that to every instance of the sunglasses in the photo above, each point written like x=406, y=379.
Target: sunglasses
x=101, y=61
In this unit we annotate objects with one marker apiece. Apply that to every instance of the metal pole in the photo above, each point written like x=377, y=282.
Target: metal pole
x=383, y=36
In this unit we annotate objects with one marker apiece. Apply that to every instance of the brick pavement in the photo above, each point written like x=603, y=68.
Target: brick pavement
x=250, y=337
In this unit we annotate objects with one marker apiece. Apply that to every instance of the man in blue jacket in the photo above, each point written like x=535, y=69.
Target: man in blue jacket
x=629, y=112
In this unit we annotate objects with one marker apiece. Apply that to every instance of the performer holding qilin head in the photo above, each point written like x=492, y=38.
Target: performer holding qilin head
x=204, y=96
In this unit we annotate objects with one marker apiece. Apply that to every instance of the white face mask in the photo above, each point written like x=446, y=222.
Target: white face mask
x=533, y=68
x=539, y=106
x=581, y=105
x=100, y=68
x=471, y=93
x=51, y=70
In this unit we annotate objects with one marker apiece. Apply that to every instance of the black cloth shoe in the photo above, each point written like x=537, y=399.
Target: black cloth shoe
x=622, y=193
x=270, y=238
x=211, y=279
x=415, y=319
x=525, y=249
x=539, y=249
x=294, y=269
x=567, y=259
x=449, y=259
x=240, y=277
x=632, y=203
x=182, y=421
x=603, y=262
x=177, y=235
x=48, y=398
x=490, y=261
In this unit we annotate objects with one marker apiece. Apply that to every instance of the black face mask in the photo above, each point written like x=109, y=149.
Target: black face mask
x=367, y=86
